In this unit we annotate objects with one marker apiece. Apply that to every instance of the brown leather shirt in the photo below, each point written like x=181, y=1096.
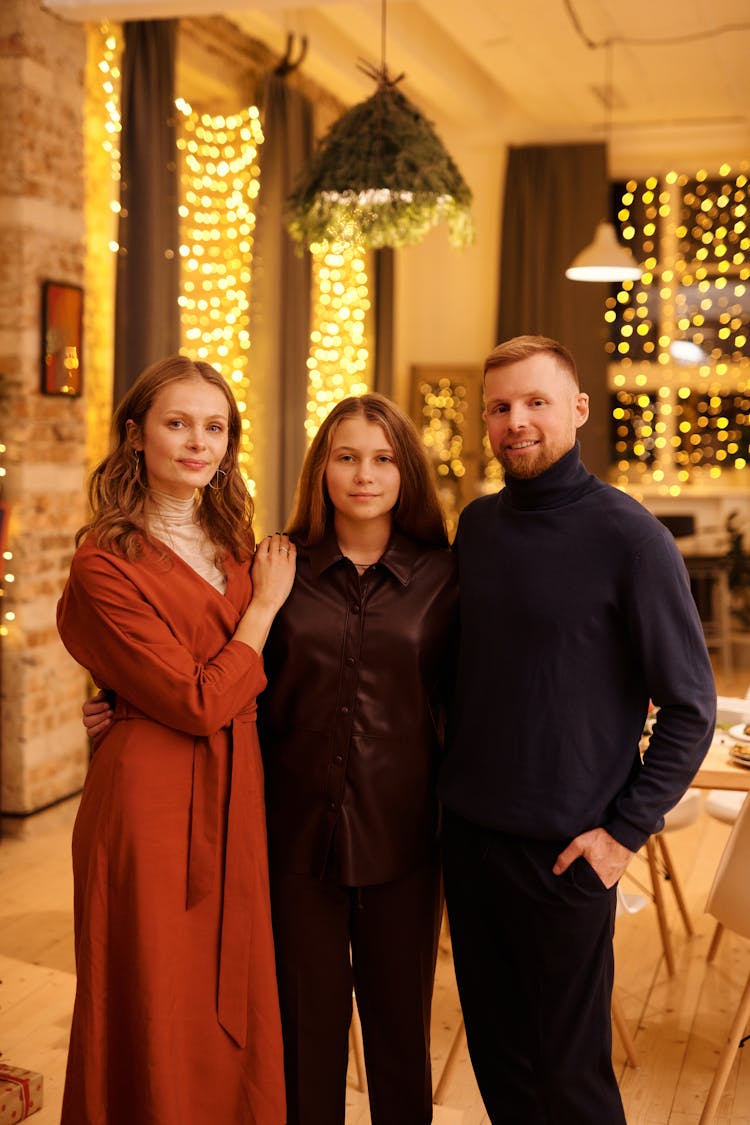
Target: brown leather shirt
x=359, y=671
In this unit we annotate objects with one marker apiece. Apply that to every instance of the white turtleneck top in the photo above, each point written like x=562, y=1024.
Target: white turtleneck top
x=174, y=523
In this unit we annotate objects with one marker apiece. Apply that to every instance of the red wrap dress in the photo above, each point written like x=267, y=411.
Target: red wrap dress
x=176, y=1017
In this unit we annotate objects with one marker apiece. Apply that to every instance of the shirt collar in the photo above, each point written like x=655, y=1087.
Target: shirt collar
x=400, y=556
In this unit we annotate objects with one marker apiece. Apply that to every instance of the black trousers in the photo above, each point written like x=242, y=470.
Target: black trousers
x=381, y=940
x=534, y=965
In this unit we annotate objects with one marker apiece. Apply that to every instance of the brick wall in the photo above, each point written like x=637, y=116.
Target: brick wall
x=42, y=60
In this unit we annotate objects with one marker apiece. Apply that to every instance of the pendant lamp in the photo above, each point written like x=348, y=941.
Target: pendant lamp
x=605, y=259
x=380, y=177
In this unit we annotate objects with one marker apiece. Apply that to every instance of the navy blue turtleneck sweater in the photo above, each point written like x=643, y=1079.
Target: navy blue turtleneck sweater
x=575, y=611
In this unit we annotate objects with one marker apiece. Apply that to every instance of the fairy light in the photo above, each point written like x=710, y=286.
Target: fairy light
x=220, y=184
x=338, y=363
x=683, y=329
x=102, y=132
x=444, y=407
x=219, y=179
x=7, y=616
x=443, y=414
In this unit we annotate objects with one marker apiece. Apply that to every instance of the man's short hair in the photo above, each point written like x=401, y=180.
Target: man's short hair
x=521, y=347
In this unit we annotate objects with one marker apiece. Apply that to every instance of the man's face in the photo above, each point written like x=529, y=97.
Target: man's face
x=532, y=409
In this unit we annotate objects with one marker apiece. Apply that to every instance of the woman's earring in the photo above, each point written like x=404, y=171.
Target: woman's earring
x=219, y=483
x=137, y=459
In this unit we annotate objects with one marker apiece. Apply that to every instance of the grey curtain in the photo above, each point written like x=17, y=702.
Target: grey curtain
x=280, y=306
x=554, y=198
x=147, y=324
x=383, y=298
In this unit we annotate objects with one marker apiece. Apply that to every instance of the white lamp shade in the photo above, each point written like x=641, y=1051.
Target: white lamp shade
x=604, y=259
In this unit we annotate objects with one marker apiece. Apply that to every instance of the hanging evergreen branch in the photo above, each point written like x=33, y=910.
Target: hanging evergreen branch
x=381, y=177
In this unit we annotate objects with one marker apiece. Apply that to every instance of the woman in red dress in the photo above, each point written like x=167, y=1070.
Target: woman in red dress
x=176, y=1015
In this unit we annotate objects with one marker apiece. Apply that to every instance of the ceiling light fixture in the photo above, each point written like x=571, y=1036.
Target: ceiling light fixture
x=381, y=176
x=605, y=258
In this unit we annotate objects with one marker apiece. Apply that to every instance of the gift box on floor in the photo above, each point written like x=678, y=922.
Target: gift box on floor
x=20, y=1093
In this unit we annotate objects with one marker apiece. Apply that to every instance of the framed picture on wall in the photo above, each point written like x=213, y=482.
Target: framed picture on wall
x=62, y=338
x=446, y=405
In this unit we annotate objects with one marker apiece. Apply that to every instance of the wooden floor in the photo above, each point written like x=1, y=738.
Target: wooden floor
x=679, y=1024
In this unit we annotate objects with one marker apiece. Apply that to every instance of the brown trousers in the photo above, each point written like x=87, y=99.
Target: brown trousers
x=380, y=941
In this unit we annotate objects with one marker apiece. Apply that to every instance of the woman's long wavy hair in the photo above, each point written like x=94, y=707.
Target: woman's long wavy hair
x=417, y=512
x=118, y=487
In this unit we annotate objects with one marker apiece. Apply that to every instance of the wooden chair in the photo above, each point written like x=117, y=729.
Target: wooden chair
x=724, y=805
x=662, y=869
x=729, y=902
x=357, y=1047
x=619, y=1022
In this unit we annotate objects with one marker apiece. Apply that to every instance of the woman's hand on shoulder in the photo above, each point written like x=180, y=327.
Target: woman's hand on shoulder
x=273, y=570
x=273, y=575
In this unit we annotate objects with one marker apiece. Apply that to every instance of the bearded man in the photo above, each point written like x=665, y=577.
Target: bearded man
x=576, y=610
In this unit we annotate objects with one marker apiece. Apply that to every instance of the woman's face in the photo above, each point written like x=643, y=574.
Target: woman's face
x=361, y=474
x=184, y=438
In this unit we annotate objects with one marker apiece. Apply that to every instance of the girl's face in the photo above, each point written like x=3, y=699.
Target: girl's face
x=361, y=473
x=184, y=438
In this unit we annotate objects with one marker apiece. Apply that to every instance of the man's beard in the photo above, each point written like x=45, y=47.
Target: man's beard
x=528, y=466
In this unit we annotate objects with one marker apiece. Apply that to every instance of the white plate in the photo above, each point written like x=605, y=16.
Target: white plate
x=738, y=732
x=739, y=760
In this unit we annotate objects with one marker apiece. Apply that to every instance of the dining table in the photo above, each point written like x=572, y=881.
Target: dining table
x=719, y=770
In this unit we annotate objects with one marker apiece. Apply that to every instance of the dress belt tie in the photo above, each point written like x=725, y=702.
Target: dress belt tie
x=204, y=860
x=240, y=879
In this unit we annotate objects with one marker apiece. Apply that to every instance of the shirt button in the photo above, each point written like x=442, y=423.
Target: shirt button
x=338, y=759
x=355, y=608
x=344, y=710
x=350, y=661
x=332, y=806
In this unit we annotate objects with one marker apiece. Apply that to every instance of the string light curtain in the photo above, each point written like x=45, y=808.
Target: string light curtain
x=339, y=361
x=680, y=338
x=102, y=128
x=219, y=163
x=7, y=576
x=220, y=184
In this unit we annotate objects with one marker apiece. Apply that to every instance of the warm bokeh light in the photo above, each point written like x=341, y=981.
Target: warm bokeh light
x=7, y=576
x=219, y=186
x=102, y=127
x=681, y=333
x=339, y=359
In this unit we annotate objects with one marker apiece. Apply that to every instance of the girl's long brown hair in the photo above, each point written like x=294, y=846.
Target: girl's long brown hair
x=118, y=487
x=417, y=512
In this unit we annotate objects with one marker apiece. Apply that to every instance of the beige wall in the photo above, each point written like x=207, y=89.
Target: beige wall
x=446, y=299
